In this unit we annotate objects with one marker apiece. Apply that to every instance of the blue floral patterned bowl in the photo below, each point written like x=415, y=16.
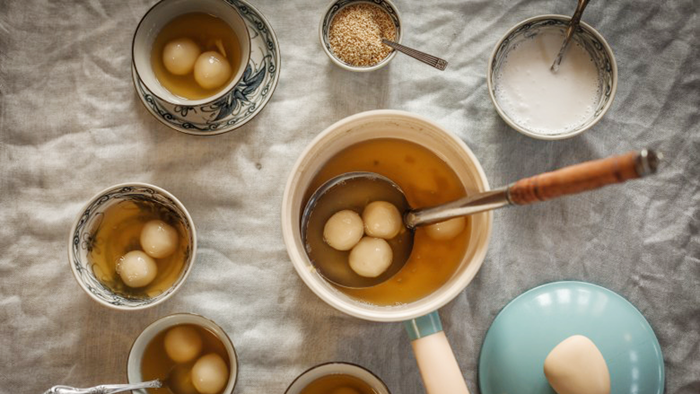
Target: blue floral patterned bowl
x=83, y=238
x=333, y=8
x=234, y=106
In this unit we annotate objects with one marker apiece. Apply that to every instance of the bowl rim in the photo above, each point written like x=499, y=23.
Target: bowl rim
x=245, y=59
x=380, y=315
x=349, y=67
x=551, y=137
x=199, y=317
x=176, y=286
x=337, y=363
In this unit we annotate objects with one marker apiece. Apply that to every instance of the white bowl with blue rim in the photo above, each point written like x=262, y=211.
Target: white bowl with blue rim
x=324, y=27
x=82, y=239
x=593, y=42
x=241, y=100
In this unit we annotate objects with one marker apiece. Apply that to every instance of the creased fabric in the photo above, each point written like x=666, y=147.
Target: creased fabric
x=71, y=124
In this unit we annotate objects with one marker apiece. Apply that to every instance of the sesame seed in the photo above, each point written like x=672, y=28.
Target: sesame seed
x=356, y=34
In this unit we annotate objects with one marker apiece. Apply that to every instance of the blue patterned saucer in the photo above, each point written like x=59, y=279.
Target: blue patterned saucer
x=243, y=103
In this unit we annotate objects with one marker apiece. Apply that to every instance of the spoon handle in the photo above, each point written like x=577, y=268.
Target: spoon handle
x=103, y=389
x=430, y=60
x=568, y=180
x=583, y=177
x=573, y=24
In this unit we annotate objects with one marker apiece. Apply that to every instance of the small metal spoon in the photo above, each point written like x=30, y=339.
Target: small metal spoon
x=565, y=181
x=573, y=25
x=430, y=60
x=104, y=389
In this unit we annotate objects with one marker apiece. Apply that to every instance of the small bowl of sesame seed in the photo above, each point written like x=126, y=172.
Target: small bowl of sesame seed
x=351, y=33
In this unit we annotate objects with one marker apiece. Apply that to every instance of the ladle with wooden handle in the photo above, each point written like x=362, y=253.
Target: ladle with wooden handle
x=568, y=180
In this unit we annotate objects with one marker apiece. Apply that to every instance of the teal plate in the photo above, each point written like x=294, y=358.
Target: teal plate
x=530, y=326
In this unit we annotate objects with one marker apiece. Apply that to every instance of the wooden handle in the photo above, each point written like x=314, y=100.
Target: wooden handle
x=438, y=366
x=436, y=361
x=582, y=177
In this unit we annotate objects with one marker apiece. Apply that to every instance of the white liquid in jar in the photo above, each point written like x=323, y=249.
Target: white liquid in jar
x=543, y=101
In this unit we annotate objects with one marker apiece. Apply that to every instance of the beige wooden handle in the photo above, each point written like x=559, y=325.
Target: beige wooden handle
x=436, y=361
x=583, y=177
x=438, y=366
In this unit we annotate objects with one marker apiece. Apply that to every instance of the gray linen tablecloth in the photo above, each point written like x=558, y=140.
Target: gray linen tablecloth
x=71, y=125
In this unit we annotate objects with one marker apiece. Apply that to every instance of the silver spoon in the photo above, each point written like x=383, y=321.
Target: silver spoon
x=430, y=60
x=104, y=389
x=568, y=180
x=573, y=25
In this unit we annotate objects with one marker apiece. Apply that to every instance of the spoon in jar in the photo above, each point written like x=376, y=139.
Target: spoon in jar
x=104, y=389
x=355, y=190
x=430, y=60
x=573, y=25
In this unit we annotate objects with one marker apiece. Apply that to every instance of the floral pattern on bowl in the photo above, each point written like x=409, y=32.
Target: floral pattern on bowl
x=82, y=241
x=239, y=106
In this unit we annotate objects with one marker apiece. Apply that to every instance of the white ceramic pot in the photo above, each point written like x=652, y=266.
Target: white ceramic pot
x=133, y=365
x=422, y=322
x=372, y=125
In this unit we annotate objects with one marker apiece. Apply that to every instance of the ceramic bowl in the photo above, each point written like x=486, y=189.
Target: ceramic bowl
x=588, y=38
x=196, y=112
x=372, y=125
x=133, y=365
x=333, y=8
x=82, y=238
x=334, y=368
x=247, y=99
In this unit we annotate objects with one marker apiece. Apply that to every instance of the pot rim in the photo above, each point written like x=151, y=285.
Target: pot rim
x=388, y=314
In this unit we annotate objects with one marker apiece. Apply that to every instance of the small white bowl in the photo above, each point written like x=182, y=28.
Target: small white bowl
x=333, y=8
x=82, y=236
x=160, y=15
x=592, y=41
x=133, y=364
x=334, y=368
x=367, y=126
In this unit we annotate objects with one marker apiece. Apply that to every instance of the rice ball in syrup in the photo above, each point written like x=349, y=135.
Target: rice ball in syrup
x=194, y=55
x=121, y=263
x=201, y=364
x=426, y=181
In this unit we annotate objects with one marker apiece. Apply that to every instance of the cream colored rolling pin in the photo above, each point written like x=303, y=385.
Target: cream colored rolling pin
x=436, y=362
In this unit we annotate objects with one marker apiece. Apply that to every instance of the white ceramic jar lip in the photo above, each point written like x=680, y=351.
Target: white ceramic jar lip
x=337, y=367
x=327, y=19
x=373, y=125
x=597, y=115
x=79, y=273
x=133, y=365
x=161, y=14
